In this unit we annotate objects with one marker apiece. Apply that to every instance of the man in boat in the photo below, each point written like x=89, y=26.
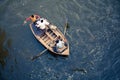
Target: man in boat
x=42, y=23
x=33, y=18
x=59, y=44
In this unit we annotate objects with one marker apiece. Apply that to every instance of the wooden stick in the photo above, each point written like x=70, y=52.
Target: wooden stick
x=38, y=55
x=65, y=28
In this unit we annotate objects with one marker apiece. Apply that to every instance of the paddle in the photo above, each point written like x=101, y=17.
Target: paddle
x=66, y=26
x=38, y=55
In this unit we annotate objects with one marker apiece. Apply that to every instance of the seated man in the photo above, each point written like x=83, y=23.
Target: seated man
x=59, y=45
x=33, y=18
x=42, y=23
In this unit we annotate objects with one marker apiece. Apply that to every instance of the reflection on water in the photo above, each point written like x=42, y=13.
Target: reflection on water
x=3, y=48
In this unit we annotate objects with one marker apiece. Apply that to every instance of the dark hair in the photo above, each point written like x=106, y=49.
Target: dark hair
x=57, y=41
x=32, y=16
x=41, y=21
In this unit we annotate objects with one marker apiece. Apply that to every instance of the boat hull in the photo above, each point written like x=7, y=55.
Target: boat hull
x=48, y=38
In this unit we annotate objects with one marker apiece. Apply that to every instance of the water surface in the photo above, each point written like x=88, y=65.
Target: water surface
x=93, y=35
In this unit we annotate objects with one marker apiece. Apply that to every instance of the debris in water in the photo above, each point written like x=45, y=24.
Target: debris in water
x=82, y=70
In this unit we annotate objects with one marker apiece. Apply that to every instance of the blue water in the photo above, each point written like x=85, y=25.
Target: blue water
x=93, y=35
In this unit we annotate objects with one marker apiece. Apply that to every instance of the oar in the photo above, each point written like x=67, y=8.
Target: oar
x=66, y=26
x=65, y=29
x=38, y=55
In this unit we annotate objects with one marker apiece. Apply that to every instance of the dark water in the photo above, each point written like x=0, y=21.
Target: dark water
x=94, y=36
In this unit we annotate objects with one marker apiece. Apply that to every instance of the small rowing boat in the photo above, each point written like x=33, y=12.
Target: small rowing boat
x=48, y=38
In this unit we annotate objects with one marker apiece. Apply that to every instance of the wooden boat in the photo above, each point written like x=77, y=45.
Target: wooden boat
x=48, y=38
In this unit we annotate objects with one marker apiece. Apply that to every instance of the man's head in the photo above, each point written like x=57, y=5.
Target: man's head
x=32, y=16
x=57, y=41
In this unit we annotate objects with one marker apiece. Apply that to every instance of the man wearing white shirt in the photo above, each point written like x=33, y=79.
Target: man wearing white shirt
x=42, y=23
x=59, y=44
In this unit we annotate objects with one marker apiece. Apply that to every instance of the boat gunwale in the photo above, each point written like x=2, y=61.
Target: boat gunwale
x=48, y=47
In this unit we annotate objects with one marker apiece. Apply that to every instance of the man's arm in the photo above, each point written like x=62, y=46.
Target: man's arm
x=27, y=19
